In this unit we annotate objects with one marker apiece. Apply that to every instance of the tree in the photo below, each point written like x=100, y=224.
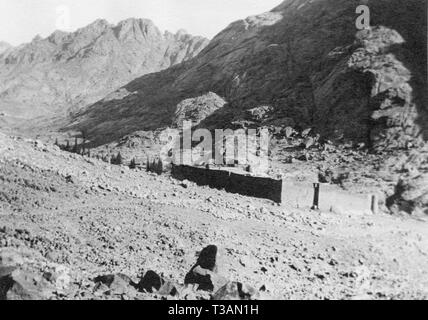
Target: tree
x=133, y=164
x=119, y=160
x=67, y=147
x=159, y=167
x=83, y=134
x=76, y=146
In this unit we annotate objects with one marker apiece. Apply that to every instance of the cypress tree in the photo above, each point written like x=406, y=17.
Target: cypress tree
x=160, y=167
x=75, y=148
x=133, y=164
x=119, y=160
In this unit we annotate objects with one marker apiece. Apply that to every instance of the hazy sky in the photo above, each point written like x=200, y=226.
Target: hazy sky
x=21, y=20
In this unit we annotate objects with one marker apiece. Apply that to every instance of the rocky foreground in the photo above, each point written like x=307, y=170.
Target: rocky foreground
x=77, y=228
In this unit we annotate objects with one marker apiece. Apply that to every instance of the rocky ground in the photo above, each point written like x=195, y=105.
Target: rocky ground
x=398, y=177
x=77, y=228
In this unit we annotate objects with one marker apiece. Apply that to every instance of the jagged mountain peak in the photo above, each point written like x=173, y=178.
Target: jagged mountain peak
x=135, y=21
x=181, y=32
x=37, y=38
x=137, y=28
x=72, y=69
x=4, y=46
x=98, y=25
x=58, y=37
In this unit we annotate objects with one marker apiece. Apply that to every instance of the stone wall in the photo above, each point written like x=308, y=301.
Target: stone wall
x=298, y=195
x=258, y=187
x=331, y=199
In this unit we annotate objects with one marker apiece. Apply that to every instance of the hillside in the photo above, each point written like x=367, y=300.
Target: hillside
x=4, y=46
x=304, y=59
x=67, y=71
x=66, y=220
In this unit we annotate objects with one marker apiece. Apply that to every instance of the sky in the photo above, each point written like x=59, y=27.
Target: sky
x=22, y=20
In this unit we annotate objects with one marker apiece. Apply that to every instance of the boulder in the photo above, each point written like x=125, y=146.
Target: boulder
x=152, y=282
x=205, y=280
x=114, y=284
x=208, y=258
x=23, y=285
x=236, y=291
x=411, y=196
x=168, y=289
x=20, y=278
x=205, y=273
x=58, y=275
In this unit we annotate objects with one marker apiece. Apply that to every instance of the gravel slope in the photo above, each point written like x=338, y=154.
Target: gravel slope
x=90, y=218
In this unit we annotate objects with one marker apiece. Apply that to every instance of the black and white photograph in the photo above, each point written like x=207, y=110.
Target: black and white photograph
x=189, y=152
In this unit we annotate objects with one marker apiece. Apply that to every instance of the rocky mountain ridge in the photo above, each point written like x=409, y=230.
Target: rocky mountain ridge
x=4, y=46
x=304, y=59
x=67, y=71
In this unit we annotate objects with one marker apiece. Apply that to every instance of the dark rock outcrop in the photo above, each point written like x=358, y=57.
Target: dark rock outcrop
x=152, y=282
x=205, y=273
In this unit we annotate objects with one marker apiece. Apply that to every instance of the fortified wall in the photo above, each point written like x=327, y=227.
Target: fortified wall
x=296, y=194
x=258, y=187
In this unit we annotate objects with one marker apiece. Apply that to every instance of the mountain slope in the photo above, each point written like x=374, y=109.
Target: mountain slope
x=123, y=221
x=4, y=46
x=304, y=58
x=72, y=70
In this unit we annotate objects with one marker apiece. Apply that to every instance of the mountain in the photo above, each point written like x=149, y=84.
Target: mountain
x=307, y=62
x=67, y=71
x=4, y=46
